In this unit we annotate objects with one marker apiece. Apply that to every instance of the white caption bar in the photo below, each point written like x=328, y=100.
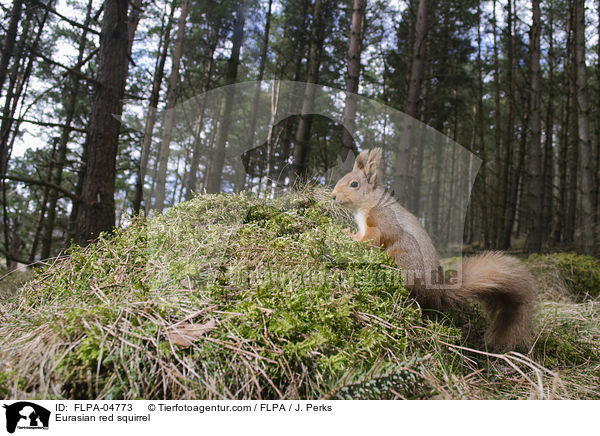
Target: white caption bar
x=162, y=418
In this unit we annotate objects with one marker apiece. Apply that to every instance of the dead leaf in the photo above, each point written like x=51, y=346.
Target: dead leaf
x=185, y=335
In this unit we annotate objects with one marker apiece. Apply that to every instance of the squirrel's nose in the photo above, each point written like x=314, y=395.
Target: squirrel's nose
x=333, y=196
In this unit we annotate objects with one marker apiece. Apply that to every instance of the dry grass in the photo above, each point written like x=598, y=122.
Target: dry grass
x=230, y=297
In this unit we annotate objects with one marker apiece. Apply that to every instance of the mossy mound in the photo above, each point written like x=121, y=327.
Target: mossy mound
x=223, y=297
x=229, y=296
x=578, y=274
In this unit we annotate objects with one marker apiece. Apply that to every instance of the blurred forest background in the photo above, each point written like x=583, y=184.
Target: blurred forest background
x=516, y=82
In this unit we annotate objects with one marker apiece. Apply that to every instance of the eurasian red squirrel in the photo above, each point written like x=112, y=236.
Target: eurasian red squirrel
x=500, y=282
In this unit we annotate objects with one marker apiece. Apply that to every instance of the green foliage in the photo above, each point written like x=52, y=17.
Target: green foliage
x=565, y=347
x=286, y=304
x=380, y=382
x=580, y=273
x=293, y=315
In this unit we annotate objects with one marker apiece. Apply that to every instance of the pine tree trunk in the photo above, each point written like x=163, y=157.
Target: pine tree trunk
x=506, y=164
x=97, y=211
x=596, y=190
x=517, y=183
x=215, y=171
x=587, y=175
x=290, y=123
x=573, y=153
x=256, y=99
x=301, y=146
x=192, y=176
x=481, y=137
x=12, y=94
x=558, y=231
x=43, y=206
x=135, y=14
x=548, y=170
x=404, y=164
x=534, y=237
x=19, y=75
x=496, y=206
x=165, y=145
x=9, y=40
x=159, y=73
x=353, y=73
x=64, y=140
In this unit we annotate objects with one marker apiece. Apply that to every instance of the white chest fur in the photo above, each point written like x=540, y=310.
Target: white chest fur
x=361, y=222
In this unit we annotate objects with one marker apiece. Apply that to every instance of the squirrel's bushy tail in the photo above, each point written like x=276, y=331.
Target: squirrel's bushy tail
x=506, y=289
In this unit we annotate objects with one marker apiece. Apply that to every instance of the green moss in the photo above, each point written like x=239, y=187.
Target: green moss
x=297, y=305
x=296, y=308
x=9, y=381
x=564, y=347
x=580, y=273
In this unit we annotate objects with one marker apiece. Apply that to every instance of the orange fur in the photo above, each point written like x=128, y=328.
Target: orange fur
x=500, y=282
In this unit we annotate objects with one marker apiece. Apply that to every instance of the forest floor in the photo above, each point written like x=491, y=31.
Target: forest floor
x=226, y=296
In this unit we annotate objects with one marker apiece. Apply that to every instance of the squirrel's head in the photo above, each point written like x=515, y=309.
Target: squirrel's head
x=354, y=188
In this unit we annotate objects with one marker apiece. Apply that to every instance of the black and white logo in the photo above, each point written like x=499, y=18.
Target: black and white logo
x=26, y=415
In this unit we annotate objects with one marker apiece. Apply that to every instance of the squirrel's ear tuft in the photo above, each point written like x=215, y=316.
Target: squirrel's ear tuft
x=372, y=165
x=361, y=161
x=374, y=157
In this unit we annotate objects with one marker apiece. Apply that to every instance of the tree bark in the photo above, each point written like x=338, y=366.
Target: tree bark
x=215, y=171
x=587, y=174
x=496, y=206
x=192, y=176
x=481, y=136
x=135, y=14
x=13, y=92
x=548, y=170
x=69, y=109
x=353, y=73
x=19, y=76
x=97, y=209
x=506, y=164
x=404, y=164
x=300, y=50
x=534, y=237
x=165, y=145
x=573, y=154
x=558, y=230
x=301, y=146
x=517, y=183
x=159, y=73
x=255, y=100
x=9, y=40
x=596, y=190
x=43, y=206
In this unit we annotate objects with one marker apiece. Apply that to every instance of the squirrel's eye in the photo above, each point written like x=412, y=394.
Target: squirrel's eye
x=354, y=185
